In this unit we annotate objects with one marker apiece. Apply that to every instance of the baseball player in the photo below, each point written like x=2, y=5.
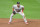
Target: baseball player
x=18, y=9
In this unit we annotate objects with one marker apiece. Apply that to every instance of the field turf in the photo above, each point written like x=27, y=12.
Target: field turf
x=31, y=8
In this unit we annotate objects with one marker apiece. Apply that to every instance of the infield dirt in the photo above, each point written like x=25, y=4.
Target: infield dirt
x=19, y=23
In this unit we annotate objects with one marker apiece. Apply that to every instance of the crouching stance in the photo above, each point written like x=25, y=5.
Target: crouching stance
x=18, y=9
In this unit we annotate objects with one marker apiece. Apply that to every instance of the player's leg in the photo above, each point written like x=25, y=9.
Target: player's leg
x=23, y=17
x=11, y=17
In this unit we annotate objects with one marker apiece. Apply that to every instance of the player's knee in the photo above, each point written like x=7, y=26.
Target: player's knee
x=23, y=14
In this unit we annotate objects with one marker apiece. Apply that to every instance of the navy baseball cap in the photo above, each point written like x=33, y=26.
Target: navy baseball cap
x=18, y=2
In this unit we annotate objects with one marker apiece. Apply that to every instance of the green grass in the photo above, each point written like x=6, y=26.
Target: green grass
x=31, y=8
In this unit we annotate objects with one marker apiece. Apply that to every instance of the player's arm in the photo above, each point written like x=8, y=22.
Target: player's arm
x=22, y=8
x=13, y=9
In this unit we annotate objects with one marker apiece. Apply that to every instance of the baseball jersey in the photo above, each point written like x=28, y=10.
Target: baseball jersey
x=17, y=9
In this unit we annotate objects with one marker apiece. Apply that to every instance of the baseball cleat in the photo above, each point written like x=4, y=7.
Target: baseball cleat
x=9, y=22
x=26, y=22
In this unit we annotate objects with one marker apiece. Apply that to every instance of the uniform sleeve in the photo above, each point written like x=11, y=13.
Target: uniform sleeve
x=13, y=6
x=22, y=6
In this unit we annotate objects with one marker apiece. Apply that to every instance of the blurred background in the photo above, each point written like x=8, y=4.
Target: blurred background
x=31, y=8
